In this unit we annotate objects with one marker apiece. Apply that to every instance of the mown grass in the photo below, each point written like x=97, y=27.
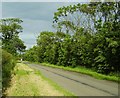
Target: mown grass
x=24, y=86
x=19, y=83
x=55, y=85
x=86, y=71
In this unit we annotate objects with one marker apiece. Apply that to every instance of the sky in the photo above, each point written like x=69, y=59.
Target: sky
x=36, y=16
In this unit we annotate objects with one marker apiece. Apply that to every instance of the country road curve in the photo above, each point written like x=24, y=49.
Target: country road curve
x=79, y=84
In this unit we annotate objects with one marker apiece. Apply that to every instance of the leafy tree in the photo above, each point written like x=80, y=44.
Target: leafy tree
x=87, y=35
x=31, y=54
x=10, y=28
x=94, y=50
x=72, y=18
x=45, y=41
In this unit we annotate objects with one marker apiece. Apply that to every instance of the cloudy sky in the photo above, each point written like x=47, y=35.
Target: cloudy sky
x=36, y=16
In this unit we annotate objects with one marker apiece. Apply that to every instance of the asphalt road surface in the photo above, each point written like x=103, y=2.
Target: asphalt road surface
x=79, y=84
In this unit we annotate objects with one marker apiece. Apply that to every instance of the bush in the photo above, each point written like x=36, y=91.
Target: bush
x=8, y=63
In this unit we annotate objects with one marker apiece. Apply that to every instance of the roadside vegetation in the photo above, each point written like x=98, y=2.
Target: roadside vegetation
x=83, y=70
x=86, y=40
x=12, y=46
x=0, y=67
x=30, y=82
x=8, y=63
x=87, y=36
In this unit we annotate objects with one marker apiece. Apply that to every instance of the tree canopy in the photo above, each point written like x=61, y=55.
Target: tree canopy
x=10, y=29
x=86, y=35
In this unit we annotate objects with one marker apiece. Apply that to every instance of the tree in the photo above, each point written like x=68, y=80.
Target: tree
x=72, y=18
x=45, y=43
x=76, y=43
x=31, y=54
x=10, y=28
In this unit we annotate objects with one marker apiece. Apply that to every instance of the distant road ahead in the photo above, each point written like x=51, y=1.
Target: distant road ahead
x=79, y=84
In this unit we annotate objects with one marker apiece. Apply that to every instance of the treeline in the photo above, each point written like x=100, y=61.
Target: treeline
x=87, y=35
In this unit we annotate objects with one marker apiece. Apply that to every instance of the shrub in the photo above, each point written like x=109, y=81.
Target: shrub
x=8, y=63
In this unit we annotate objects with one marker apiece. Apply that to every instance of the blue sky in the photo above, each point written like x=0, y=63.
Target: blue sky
x=37, y=17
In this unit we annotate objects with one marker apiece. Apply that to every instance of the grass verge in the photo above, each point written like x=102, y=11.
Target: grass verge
x=30, y=82
x=55, y=85
x=86, y=71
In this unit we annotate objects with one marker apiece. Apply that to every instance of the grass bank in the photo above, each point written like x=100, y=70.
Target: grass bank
x=86, y=71
x=30, y=82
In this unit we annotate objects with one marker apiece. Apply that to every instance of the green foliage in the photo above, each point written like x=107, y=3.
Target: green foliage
x=31, y=54
x=92, y=41
x=8, y=63
x=86, y=71
x=10, y=28
x=0, y=68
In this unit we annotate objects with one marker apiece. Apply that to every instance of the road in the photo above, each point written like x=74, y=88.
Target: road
x=79, y=84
